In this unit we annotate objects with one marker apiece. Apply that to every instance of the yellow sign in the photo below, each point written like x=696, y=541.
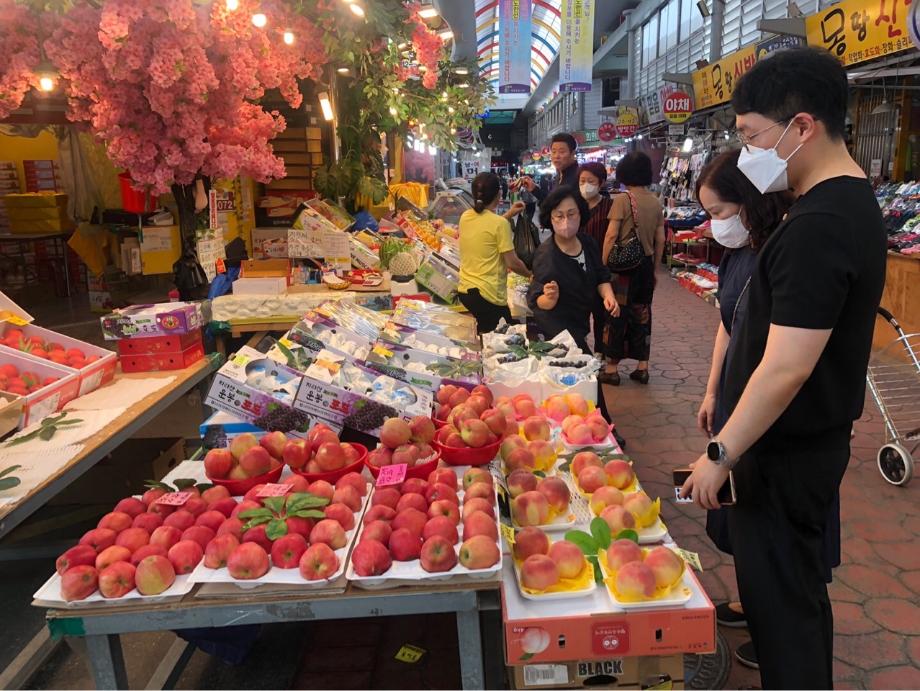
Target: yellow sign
x=714, y=84
x=410, y=653
x=858, y=30
x=507, y=533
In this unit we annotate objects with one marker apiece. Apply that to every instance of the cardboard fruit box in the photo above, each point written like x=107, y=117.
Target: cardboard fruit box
x=643, y=672
x=48, y=399
x=10, y=412
x=146, y=321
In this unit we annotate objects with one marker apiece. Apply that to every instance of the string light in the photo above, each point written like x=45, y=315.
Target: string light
x=461, y=70
x=259, y=20
x=288, y=37
x=450, y=109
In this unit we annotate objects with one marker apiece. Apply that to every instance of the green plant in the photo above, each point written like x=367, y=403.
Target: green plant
x=47, y=429
x=598, y=539
x=8, y=481
x=301, y=505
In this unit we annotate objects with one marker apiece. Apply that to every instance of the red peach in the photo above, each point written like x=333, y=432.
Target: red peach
x=412, y=519
x=443, y=526
x=411, y=500
x=318, y=562
x=341, y=513
x=147, y=521
x=181, y=519
x=287, y=551
x=131, y=506
x=371, y=558
x=405, y=545
x=200, y=534
x=232, y=526
x=165, y=536
x=377, y=530
x=211, y=519
x=347, y=495
x=258, y=535
x=219, y=550
x=248, y=561
x=329, y=532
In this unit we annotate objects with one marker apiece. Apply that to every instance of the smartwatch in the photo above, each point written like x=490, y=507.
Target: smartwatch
x=715, y=452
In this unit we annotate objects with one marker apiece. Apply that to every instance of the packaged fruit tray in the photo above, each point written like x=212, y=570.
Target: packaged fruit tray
x=49, y=595
x=639, y=503
x=411, y=572
x=674, y=596
x=95, y=366
x=532, y=507
x=39, y=400
x=565, y=589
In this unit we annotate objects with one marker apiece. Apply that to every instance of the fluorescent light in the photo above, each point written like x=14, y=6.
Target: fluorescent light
x=461, y=70
x=326, y=106
x=288, y=37
x=259, y=20
x=446, y=35
x=46, y=83
x=463, y=85
x=233, y=5
x=344, y=70
x=428, y=12
x=357, y=10
x=688, y=145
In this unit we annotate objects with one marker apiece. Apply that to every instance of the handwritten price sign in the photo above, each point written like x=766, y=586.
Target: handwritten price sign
x=270, y=489
x=174, y=498
x=392, y=475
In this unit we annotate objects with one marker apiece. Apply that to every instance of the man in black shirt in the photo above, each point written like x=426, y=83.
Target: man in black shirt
x=562, y=154
x=796, y=367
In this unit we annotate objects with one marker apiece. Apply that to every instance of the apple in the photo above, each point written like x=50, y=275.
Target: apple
x=258, y=535
x=443, y=526
x=116, y=580
x=395, y=432
x=296, y=453
x=215, y=494
x=200, y=534
x=412, y=519
x=329, y=456
x=79, y=582
x=185, y=555
x=165, y=536
x=386, y=496
x=242, y=443
x=379, y=513
x=256, y=461
x=321, y=488
x=248, y=561
x=329, y=532
x=422, y=429
x=348, y=495
x=81, y=555
x=147, y=551
x=371, y=558
x=287, y=551
x=355, y=480
x=110, y=555
x=438, y=555
x=479, y=552
x=377, y=530
x=218, y=463
x=274, y=443
x=148, y=521
x=232, y=526
x=154, y=575
x=132, y=506
x=440, y=491
x=180, y=519
x=211, y=519
x=413, y=501
x=479, y=523
x=318, y=562
x=443, y=476
x=99, y=538
x=477, y=504
x=341, y=513
x=405, y=545
x=132, y=538
x=219, y=550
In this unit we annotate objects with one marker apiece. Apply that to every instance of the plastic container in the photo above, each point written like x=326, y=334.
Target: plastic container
x=238, y=488
x=132, y=200
x=333, y=475
x=420, y=471
x=470, y=456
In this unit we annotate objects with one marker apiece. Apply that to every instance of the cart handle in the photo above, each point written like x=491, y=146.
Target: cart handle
x=889, y=317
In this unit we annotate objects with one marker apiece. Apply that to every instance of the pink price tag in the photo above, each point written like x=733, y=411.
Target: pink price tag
x=174, y=498
x=272, y=489
x=392, y=475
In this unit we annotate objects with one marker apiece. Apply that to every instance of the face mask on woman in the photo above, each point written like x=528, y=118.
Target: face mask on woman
x=567, y=227
x=589, y=190
x=730, y=232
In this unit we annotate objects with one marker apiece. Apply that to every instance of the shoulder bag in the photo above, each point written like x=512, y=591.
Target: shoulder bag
x=626, y=254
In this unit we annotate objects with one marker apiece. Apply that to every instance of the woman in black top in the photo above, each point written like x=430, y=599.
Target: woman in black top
x=568, y=273
x=591, y=179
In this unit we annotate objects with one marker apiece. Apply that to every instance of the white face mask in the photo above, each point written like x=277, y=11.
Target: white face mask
x=589, y=190
x=764, y=168
x=567, y=228
x=730, y=232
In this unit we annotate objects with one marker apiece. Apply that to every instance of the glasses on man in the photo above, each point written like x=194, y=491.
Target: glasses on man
x=748, y=140
x=564, y=216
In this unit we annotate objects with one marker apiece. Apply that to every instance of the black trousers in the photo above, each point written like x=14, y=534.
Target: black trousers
x=785, y=493
x=487, y=314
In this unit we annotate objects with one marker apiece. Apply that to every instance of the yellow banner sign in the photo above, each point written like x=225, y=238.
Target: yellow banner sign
x=714, y=84
x=858, y=30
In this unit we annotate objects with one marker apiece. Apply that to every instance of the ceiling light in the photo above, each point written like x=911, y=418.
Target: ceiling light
x=688, y=145
x=357, y=10
x=288, y=37
x=326, y=106
x=461, y=70
x=259, y=20
x=344, y=70
x=233, y=5
x=46, y=83
x=432, y=150
x=463, y=85
x=446, y=35
x=884, y=107
x=429, y=12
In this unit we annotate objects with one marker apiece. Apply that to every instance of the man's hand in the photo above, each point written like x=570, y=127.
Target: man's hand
x=612, y=306
x=705, y=482
x=706, y=414
x=526, y=182
x=516, y=208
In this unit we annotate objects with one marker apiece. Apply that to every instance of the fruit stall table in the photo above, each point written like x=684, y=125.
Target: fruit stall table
x=102, y=626
x=102, y=443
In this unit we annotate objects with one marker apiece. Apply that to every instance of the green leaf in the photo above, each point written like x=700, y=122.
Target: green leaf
x=156, y=484
x=304, y=500
x=598, y=576
x=27, y=437
x=584, y=541
x=539, y=473
x=276, y=528
x=64, y=423
x=184, y=483
x=274, y=504
x=526, y=656
x=8, y=482
x=256, y=513
x=203, y=486
x=7, y=471
x=601, y=532
x=628, y=535
x=307, y=513
x=253, y=522
x=46, y=433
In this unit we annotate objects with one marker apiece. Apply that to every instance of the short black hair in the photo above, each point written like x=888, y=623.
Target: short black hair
x=555, y=198
x=799, y=80
x=566, y=139
x=634, y=170
x=485, y=188
x=596, y=169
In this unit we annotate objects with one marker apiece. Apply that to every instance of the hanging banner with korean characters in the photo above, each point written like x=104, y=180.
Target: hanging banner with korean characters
x=576, y=48
x=714, y=84
x=858, y=30
x=514, y=28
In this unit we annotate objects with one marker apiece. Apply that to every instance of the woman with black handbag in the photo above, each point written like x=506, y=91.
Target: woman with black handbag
x=632, y=249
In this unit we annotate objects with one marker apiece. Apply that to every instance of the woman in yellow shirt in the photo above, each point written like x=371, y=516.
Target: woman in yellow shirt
x=487, y=254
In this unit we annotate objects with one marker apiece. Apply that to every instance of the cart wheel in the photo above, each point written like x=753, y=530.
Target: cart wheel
x=895, y=464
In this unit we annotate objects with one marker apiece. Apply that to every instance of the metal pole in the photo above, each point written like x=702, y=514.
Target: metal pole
x=715, y=30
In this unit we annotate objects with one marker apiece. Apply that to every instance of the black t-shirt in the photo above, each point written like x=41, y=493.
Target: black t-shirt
x=823, y=268
x=735, y=269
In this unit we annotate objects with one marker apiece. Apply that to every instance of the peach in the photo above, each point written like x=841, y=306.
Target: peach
x=379, y=513
x=320, y=434
x=477, y=504
x=529, y=541
x=237, y=473
x=480, y=523
x=243, y=507
x=151, y=495
x=579, y=434
x=521, y=481
x=116, y=580
x=535, y=640
x=474, y=475
x=216, y=493
x=536, y=427
x=600, y=429
x=445, y=392
x=351, y=453
x=643, y=509
x=133, y=538
x=377, y=530
x=524, y=406
x=539, y=572
x=287, y=551
x=347, y=495
x=248, y=562
x=495, y=420
x=438, y=555
x=412, y=500
x=407, y=453
x=79, y=582
x=386, y=496
x=422, y=429
x=479, y=404
x=321, y=488
x=110, y=555
x=200, y=534
x=556, y=408
x=405, y=545
x=444, y=507
x=185, y=555
x=415, y=485
x=232, y=526
x=484, y=391
x=154, y=575
x=355, y=480
x=329, y=456
x=475, y=433
x=256, y=461
x=618, y=518
x=218, y=463
x=509, y=445
x=274, y=443
x=301, y=526
x=543, y=453
x=150, y=521
x=666, y=566
x=521, y=459
x=619, y=473
x=219, y=550
x=181, y=519
x=479, y=552
x=147, y=551
x=258, y=535
x=371, y=558
x=443, y=476
x=81, y=555
x=592, y=479
x=253, y=493
x=577, y=404
x=604, y=497
x=570, y=421
x=211, y=519
x=459, y=396
x=241, y=443
x=441, y=525
x=569, y=558
x=635, y=581
x=622, y=552
x=329, y=532
x=165, y=536
x=395, y=432
x=530, y=508
x=132, y=506
x=99, y=538
x=296, y=453
x=298, y=483
x=556, y=492
x=440, y=491
x=584, y=459
x=195, y=506
x=342, y=514
x=318, y=562
x=223, y=506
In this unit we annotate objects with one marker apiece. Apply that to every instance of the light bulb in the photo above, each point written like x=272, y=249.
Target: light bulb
x=233, y=5
x=357, y=10
x=259, y=20
x=343, y=70
x=688, y=145
x=288, y=37
x=46, y=83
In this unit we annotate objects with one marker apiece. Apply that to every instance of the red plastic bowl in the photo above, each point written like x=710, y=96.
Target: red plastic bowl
x=481, y=456
x=238, y=488
x=334, y=475
x=438, y=424
x=420, y=471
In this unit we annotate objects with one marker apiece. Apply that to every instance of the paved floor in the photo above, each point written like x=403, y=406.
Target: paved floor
x=876, y=590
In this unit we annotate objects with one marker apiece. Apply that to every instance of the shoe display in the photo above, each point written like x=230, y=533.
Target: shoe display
x=746, y=655
x=726, y=616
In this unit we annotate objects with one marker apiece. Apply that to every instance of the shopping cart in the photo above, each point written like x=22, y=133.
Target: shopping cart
x=894, y=380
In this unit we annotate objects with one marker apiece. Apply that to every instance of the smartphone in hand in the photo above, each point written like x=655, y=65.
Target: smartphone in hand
x=726, y=495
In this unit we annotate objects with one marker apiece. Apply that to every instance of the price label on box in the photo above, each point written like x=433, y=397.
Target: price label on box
x=271, y=489
x=174, y=498
x=507, y=533
x=410, y=653
x=392, y=474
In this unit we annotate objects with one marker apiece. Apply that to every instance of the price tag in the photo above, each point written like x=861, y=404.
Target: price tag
x=174, y=498
x=271, y=489
x=221, y=267
x=409, y=653
x=507, y=532
x=16, y=320
x=240, y=359
x=691, y=558
x=383, y=352
x=392, y=474
x=286, y=342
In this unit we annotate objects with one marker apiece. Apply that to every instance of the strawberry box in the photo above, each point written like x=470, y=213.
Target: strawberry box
x=161, y=361
x=25, y=376
x=30, y=340
x=173, y=343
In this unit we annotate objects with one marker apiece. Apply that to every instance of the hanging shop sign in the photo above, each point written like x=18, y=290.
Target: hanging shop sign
x=607, y=132
x=714, y=84
x=771, y=45
x=514, y=28
x=576, y=49
x=627, y=122
x=913, y=22
x=858, y=30
x=650, y=104
x=678, y=106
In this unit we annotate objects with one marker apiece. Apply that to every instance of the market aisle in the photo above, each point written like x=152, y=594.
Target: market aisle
x=876, y=588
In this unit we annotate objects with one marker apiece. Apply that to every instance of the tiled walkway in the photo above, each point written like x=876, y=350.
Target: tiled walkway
x=876, y=590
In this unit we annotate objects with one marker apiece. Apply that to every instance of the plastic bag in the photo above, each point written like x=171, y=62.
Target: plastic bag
x=526, y=239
